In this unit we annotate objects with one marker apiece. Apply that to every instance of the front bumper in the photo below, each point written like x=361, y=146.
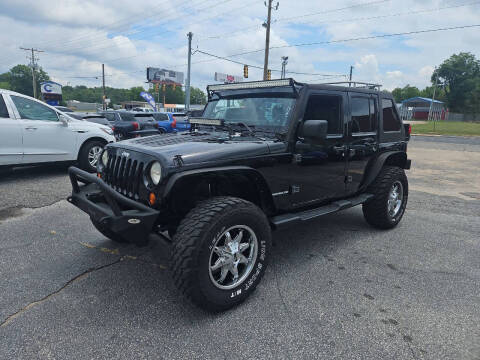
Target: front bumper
x=123, y=216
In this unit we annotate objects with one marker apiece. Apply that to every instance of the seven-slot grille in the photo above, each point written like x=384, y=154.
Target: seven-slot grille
x=124, y=175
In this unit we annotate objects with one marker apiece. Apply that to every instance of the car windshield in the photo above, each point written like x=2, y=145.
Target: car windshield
x=262, y=111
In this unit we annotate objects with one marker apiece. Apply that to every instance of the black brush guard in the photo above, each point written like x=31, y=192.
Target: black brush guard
x=131, y=220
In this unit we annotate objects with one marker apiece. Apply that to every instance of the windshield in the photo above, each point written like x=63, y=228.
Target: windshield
x=260, y=111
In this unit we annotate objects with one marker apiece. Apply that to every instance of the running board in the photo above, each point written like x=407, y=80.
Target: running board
x=289, y=218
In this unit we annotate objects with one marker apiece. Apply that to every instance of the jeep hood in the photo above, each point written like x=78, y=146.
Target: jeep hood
x=195, y=149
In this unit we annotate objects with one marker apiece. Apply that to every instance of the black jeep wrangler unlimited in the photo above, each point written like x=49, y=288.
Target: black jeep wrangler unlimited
x=264, y=155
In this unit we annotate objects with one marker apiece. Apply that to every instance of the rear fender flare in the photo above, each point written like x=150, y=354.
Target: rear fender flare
x=395, y=158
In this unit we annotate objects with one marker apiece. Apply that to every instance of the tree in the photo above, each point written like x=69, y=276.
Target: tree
x=197, y=96
x=407, y=92
x=458, y=75
x=19, y=79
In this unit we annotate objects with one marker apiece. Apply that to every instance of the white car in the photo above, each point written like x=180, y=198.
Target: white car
x=33, y=132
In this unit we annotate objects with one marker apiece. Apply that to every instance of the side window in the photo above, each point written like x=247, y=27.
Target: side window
x=363, y=115
x=32, y=110
x=391, y=122
x=3, y=108
x=110, y=117
x=325, y=107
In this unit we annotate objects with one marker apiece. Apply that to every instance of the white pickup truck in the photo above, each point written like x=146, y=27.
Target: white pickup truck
x=34, y=132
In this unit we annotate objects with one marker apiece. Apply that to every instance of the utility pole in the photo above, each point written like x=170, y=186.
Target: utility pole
x=267, y=38
x=104, y=107
x=187, y=85
x=433, y=99
x=351, y=72
x=33, y=65
x=284, y=65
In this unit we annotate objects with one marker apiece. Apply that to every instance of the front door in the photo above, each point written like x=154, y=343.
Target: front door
x=45, y=137
x=363, y=138
x=318, y=174
x=11, y=148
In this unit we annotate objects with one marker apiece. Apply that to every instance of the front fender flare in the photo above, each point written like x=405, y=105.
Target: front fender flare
x=253, y=174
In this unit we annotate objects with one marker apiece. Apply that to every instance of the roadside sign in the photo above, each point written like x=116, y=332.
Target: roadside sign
x=225, y=78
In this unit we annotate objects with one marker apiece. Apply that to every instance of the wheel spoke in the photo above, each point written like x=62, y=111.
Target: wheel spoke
x=242, y=259
x=219, y=251
x=234, y=271
x=243, y=246
x=223, y=274
x=218, y=264
x=239, y=237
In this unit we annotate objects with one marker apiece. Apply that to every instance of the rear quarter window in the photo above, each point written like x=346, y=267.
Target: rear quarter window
x=391, y=121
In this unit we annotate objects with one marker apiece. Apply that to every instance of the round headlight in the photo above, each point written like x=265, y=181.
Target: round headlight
x=155, y=172
x=105, y=158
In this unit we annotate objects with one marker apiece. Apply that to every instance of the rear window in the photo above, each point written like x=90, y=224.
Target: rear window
x=391, y=121
x=3, y=108
x=127, y=116
x=161, y=117
x=144, y=117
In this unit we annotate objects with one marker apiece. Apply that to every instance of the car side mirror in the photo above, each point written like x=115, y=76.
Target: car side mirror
x=63, y=119
x=314, y=129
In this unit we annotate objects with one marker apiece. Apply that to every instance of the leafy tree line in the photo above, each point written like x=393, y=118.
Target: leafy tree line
x=19, y=79
x=458, y=84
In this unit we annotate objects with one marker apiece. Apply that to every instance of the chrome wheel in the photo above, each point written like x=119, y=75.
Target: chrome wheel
x=233, y=256
x=395, y=199
x=94, y=155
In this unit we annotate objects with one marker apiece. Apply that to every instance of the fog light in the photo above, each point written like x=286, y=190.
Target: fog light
x=152, y=198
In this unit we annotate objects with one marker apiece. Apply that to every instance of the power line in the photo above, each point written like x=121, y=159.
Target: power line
x=333, y=10
x=146, y=34
x=300, y=16
x=358, y=39
x=261, y=67
x=349, y=20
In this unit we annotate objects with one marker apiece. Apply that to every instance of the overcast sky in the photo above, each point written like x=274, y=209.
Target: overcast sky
x=79, y=35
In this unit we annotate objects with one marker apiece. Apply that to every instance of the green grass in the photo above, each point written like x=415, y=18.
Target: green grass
x=447, y=128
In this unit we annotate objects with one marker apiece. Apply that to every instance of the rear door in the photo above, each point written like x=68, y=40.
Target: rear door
x=11, y=147
x=362, y=137
x=45, y=137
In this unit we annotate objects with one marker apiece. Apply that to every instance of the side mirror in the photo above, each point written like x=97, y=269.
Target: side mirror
x=314, y=129
x=63, y=119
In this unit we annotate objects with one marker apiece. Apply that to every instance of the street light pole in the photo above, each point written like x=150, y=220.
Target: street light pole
x=187, y=85
x=284, y=65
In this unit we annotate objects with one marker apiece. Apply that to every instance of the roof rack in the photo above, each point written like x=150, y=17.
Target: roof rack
x=357, y=84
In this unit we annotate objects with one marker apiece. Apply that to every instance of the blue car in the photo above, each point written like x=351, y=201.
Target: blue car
x=171, y=122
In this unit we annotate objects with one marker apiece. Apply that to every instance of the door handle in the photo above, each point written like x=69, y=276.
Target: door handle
x=31, y=128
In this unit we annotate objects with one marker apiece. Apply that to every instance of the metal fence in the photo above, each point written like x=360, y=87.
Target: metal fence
x=463, y=117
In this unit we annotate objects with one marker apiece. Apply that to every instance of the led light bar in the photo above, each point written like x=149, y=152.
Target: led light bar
x=250, y=85
x=205, y=121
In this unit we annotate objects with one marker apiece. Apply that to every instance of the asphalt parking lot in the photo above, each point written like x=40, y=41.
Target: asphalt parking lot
x=334, y=289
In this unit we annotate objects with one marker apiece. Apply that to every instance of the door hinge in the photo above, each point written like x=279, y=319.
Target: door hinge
x=348, y=179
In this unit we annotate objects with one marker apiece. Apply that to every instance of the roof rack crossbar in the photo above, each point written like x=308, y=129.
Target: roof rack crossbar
x=357, y=84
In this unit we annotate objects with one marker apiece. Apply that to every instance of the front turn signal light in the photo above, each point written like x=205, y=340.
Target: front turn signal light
x=152, y=199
